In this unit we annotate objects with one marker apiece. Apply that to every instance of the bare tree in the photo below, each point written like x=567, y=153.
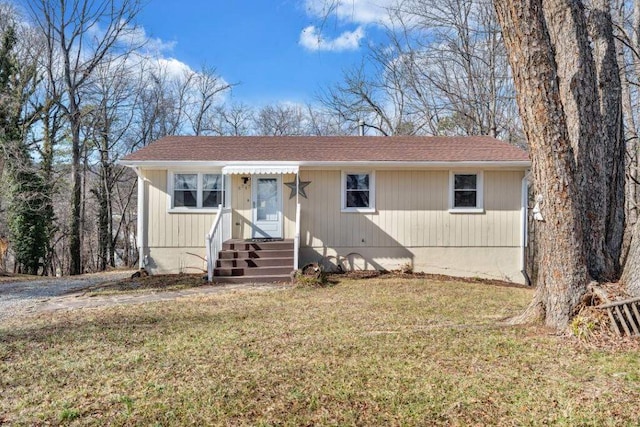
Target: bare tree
x=110, y=99
x=234, y=119
x=159, y=111
x=628, y=61
x=83, y=34
x=459, y=55
x=444, y=71
x=321, y=122
x=379, y=100
x=280, y=119
x=628, y=49
x=205, y=88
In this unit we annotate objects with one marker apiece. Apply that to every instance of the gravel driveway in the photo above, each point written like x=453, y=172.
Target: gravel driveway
x=24, y=296
x=19, y=298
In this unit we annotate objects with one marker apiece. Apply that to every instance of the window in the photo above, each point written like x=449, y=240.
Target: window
x=358, y=192
x=196, y=190
x=466, y=192
x=212, y=194
x=185, y=190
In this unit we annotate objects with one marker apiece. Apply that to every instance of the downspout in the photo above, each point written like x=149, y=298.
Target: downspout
x=142, y=258
x=524, y=236
x=296, y=237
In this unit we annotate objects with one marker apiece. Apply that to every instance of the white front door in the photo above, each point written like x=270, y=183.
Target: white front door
x=267, y=206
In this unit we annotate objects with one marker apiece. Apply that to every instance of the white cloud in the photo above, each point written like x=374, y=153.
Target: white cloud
x=173, y=67
x=342, y=13
x=351, y=11
x=138, y=37
x=312, y=39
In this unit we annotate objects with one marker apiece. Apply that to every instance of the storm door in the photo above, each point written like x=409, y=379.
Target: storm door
x=267, y=206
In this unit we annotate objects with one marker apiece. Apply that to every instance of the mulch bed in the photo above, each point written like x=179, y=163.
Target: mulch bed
x=371, y=274
x=154, y=282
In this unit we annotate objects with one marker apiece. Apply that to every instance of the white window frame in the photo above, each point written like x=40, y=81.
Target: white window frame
x=199, y=191
x=372, y=191
x=479, y=208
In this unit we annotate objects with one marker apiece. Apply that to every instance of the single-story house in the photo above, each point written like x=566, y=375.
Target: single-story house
x=263, y=206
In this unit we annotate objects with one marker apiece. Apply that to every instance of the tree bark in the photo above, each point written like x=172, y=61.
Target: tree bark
x=631, y=275
x=613, y=143
x=562, y=273
x=75, y=234
x=567, y=28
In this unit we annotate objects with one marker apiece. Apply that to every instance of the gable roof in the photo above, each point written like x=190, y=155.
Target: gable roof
x=327, y=149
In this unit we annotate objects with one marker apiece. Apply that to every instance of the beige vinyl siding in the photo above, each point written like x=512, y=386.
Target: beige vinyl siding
x=241, y=205
x=172, y=230
x=411, y=211
x=289, y=206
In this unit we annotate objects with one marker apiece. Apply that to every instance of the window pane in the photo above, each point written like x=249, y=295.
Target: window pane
x=184, y=198
x=185, y=181
x=267, y=200
x=211, y=199
x=212, y=182
x=358, y=181
x=357, y=199
x=465, y=182
x=465, y=199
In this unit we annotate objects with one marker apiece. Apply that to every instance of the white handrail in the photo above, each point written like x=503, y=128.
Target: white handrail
x=213, y=243
x=296, y=240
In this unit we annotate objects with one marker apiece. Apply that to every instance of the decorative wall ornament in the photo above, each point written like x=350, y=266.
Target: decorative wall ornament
x=301, y=187
x=537, y=212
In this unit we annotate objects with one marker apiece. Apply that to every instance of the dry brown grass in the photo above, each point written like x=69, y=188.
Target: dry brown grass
x=10, y=277
x=363, y=352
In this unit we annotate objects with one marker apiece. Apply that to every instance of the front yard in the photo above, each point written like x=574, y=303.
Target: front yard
x=365, y=352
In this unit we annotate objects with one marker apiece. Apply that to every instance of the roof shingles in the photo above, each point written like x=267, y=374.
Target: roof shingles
x=328, y=149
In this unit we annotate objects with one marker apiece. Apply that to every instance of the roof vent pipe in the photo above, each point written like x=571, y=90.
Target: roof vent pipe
x=361, y=127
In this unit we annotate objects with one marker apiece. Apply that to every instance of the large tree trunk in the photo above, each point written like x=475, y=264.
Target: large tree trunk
x=562, y=273
x=631, y=138
x=569, y=96
x=49, y=135
x=105, y=218
x=567, y=29
x=613, y=143
x=631, y=276
x=75, y=231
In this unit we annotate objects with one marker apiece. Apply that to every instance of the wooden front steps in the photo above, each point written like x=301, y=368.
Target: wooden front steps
x=254, y=261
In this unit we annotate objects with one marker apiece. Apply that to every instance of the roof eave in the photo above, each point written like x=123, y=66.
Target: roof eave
x=169, y=164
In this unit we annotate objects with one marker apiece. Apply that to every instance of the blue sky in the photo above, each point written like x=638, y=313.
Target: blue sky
x=277, y=50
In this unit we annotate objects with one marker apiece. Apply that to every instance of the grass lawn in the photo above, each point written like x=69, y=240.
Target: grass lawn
x=363, y=352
